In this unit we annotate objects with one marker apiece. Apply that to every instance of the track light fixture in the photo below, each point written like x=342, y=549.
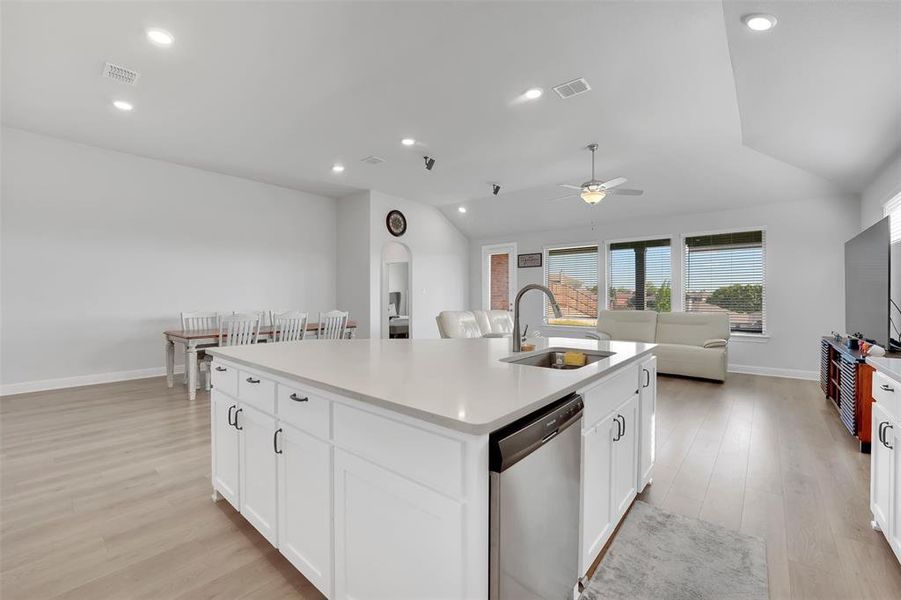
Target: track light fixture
x=429, y=162
x=495, y=189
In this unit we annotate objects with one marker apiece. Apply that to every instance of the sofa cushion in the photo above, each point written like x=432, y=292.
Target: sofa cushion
x=458, y=324
x=692, y=328
x=691, y=361
x=629, y=325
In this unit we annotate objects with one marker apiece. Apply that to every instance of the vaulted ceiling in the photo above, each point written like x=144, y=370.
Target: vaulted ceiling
x=686, y=102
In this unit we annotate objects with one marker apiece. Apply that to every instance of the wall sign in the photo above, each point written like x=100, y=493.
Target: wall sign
x=524, y=261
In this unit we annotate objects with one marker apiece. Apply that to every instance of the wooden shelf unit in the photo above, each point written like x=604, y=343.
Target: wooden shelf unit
x=847, y=380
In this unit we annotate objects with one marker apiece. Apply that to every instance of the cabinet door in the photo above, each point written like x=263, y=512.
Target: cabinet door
x=881, y=469
x=647, y=421
x=258, y=468
x=394, y=538
x=305, y=504
x=224, y=443
x=625, y=458
x=597, y=516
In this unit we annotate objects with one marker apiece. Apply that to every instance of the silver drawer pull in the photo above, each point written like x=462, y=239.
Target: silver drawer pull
x=252, y=380
x=221, y=369
x=297, y=398
x=887, y=388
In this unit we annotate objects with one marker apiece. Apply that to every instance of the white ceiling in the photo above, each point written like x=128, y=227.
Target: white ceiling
x=686, y=102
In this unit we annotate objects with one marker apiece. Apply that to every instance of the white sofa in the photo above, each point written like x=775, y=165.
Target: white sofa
x=474, y=323
x=692, y=344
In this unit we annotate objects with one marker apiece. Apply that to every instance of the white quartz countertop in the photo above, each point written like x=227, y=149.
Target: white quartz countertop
x=461, y=384
x=889, y=366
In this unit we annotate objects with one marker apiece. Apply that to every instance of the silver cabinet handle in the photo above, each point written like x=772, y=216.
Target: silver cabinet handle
x=252, y=380
x=887, y=388
x=297, y=398
x=221, y=369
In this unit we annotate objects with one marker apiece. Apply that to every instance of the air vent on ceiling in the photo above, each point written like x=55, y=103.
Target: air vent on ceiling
x=572, y=88
x=372, y=160
x=120, y=74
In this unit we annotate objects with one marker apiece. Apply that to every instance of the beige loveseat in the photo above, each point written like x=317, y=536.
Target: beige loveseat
x=474, y=323
x=692, y=344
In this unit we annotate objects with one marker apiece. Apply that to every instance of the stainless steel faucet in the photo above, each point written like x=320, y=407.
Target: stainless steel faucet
x=517, y=338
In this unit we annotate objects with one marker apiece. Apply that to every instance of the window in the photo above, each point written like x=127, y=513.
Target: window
x=892, y=210
x=572, y=275
x=640, y=276
x=726, y=272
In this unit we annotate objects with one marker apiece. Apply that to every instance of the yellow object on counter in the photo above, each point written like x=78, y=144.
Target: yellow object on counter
x=528, y=347
x=574, y=359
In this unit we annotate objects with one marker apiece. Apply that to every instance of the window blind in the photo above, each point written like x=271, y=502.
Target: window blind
x=572, y=276
x=892, y=210
x=726, y=272
x=640, y=276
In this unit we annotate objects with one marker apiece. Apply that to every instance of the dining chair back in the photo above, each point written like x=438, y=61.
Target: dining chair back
x=332, y=325
x=265, y=315
x=289, y=326
x=238, y=330
x=199, y=321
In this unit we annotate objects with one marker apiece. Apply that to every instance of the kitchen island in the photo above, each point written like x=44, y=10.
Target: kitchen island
x=366, y=461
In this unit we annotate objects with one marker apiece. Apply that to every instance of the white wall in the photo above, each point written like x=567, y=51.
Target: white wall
x=102, y=250
x=805, y=280
x=439, y=262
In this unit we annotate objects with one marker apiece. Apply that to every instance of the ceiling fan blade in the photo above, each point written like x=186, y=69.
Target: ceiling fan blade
x=614, y=182
x=570, y=187
x=564, y=197
x=625, y=192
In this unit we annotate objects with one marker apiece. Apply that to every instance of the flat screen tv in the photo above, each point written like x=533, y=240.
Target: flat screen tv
x=867, y=280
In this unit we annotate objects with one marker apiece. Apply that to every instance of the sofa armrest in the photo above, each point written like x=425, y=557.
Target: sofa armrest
x=715, y=343
x=598, y=335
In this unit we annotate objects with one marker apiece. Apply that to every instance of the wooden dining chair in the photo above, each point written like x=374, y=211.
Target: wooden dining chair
x=198, y=321
x=332, y=325
x=289, y=326
x=234, y=330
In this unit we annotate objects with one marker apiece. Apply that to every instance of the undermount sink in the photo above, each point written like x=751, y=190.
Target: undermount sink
x=553, y=358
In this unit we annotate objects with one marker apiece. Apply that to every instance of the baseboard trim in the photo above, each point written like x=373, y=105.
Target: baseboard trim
x=775, y=372
x=80, y=380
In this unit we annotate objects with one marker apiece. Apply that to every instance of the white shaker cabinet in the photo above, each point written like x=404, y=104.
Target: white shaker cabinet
x=224, y=446
x=625, y=457
x=256, y=432
x=647, y=392
x=305, y=503
x=885, y=460
x=597, y=516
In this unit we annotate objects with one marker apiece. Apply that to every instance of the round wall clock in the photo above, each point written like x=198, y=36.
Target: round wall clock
x=396, y=223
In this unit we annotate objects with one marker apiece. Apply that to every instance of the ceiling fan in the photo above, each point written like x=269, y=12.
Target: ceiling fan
x=593, y=191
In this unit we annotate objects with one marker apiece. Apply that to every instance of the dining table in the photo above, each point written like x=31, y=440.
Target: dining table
x=195, y=340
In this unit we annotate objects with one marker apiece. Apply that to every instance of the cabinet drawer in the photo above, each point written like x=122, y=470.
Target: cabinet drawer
x=608, y=394
x=256, y=391
x=887, y=392
x=305, y=410
x=224, y=379
x=429, y=458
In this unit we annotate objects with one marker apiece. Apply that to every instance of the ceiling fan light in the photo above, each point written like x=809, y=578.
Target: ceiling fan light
x=593, y=196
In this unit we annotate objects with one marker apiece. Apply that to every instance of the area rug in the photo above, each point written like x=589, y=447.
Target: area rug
x=657, y=554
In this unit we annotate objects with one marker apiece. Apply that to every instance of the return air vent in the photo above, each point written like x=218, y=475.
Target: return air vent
x=572, y=88
x=372, y=160
x=120, y=74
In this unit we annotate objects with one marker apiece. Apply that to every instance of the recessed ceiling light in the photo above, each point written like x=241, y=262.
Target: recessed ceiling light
x=123, y=105
x=408, y=141
x=759, y=22
x=462, y=209
x=337, y=168
x=533, y=93
x=160, y=37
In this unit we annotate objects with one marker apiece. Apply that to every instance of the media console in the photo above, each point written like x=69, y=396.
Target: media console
x=847, y=380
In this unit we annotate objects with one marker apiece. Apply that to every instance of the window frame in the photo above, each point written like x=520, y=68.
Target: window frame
x=545, y=250
x=755, y=336
x=675, y=286
x=893, y=204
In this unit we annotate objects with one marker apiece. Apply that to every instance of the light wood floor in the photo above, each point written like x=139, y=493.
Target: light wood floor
x=105, y=493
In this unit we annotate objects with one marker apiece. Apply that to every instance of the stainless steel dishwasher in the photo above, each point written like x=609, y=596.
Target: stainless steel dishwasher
x=534, y=504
